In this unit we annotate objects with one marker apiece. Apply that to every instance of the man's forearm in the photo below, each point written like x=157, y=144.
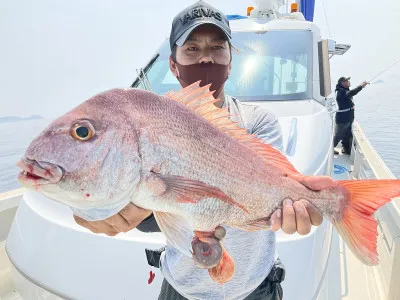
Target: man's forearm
x=355, y=91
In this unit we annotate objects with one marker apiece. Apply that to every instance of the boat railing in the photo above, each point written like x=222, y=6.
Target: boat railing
x=367, y=164
x=9, y=202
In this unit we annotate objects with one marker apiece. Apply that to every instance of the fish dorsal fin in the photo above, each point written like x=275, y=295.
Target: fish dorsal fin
x=201, y=100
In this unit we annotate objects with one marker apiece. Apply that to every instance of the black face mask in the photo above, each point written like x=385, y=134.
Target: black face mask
x=209, y=73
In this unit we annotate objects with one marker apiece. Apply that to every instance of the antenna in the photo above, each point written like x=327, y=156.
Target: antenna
x=265, y=9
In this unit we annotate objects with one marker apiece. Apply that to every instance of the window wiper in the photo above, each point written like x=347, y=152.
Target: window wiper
x=142, y=74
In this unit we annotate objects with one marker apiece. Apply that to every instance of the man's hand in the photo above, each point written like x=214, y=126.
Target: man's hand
x=128, y=218
x=296, y=217
x=364, y=84
x=300, y=215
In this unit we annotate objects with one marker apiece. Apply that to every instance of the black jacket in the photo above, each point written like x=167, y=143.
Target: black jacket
x=344, y=99
x=149, y=225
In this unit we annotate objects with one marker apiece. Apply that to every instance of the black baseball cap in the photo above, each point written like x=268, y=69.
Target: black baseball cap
x=192, y=17
x=343, y=79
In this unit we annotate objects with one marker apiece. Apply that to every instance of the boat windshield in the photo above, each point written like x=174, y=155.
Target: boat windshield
x=275, y=65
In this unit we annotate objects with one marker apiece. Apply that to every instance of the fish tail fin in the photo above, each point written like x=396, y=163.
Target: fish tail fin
x=357, y=227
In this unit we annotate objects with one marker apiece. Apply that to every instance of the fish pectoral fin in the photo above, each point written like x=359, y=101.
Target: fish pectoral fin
x=259, y=224
x=191, y=191
x=177, y=230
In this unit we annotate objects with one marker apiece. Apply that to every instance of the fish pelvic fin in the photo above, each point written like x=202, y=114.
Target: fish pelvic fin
x=201, y=100
x=357, y=227
x=177, y=230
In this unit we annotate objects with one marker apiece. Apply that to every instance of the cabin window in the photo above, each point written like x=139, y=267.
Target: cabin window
x=275, y=65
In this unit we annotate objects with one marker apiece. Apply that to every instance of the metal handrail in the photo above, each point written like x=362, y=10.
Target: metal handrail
x=364, y=155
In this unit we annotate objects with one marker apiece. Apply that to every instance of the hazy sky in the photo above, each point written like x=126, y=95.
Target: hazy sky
x=54, y=54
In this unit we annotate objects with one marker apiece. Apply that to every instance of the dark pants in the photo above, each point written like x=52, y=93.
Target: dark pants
x=343, y=133
x=269, y=289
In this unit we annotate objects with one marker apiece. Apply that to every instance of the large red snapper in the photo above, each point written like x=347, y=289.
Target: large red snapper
x=183, y=158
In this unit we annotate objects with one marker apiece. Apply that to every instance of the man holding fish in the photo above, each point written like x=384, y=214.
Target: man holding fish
x=201, y=49
x=177, y=163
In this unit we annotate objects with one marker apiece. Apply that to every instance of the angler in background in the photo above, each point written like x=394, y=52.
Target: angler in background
x=345, y=115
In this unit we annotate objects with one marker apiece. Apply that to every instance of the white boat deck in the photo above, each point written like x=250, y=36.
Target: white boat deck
x=12, y=296
x=7, y=291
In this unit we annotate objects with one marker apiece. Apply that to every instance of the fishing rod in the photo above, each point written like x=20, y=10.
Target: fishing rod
x=369, y=81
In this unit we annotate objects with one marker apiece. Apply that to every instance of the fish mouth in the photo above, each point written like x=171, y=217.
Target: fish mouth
x=34, y=173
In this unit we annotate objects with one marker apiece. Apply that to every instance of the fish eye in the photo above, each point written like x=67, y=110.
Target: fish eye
x=82, y=131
